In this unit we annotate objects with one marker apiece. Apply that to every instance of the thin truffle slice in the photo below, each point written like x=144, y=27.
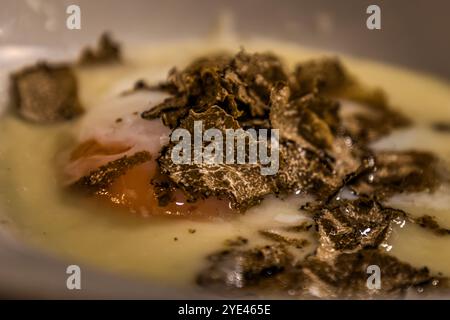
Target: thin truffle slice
x=241, y=184
x=375, y=117
x=347, y=276
x=350, y=232
x=46, y=93
x=350, y=225
x=399, y=171
x=326, y=75
x=442, y=127
x=314, y=156
x=371, y=123
x=273, y=270
x=305, y=171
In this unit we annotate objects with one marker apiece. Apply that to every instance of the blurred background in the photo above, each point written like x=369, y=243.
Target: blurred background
x=415, y=33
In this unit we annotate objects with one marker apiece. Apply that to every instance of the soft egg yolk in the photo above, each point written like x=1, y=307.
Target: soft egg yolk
x=134, y=191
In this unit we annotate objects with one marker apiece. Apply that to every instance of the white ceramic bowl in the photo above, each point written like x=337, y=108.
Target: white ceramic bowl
x=413, y=34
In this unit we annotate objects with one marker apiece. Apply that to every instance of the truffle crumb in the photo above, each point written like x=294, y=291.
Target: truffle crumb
x=274, y=236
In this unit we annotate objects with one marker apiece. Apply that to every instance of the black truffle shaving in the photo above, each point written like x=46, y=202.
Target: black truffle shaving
x=323, y=150
x=430, y=223
x=305, y=171
x=242, y=268
x=242, y=184
x=236, y=242
x=272, y=269
x=441, y=127
x=350, y=232
x=328, y=77
x=399, y=171
x=350, y=225
x=283, y=239
x=100, y=179
x=240, y=85
x=107, y=51
x=347, y=276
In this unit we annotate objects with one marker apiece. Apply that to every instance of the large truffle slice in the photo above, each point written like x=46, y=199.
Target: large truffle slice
x=46, y=93
x=349, y=225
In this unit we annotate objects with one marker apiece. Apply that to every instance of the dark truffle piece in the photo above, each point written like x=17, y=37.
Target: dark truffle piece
x=303, y=170
x=46, y=93
x=398, y=172
x=326, y=75
x=107, y=51
x=302, y=227
x=198, y=87
x=272, y=269
x=429, y=222
x=322, y=150
x=346, y=276
x=163, y=188
x=260, y=72
x=236, y=242
x=442, y=127
x=309, y=121
x=350, y=225
x=314, y=155
x=368, y=124
x=242, y=184
x=101, y=178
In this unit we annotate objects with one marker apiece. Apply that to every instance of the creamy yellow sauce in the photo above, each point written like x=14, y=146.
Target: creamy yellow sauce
x=38, y=212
